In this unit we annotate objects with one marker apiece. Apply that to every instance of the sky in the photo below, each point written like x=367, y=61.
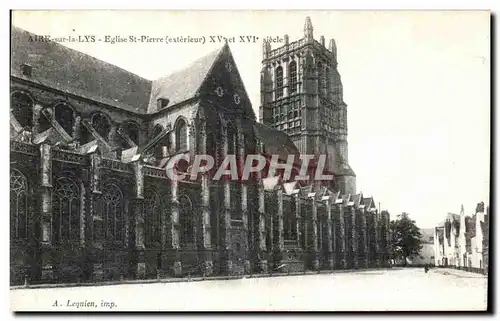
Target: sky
x=417, y=86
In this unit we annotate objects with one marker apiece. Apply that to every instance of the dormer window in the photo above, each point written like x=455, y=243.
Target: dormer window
x=26, y=70
x=22, y=108
x=162, y=103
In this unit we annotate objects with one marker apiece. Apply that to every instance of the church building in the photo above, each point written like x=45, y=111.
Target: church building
x=90, y=199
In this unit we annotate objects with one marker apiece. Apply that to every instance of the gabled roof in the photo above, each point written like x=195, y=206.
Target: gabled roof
x=440, y=224
x=367, y=202
x=74, y=72
x=323, y=191
x=183, y=84
x=305, y=190
x=289, y=187
x=357, y=200
x=347, y=198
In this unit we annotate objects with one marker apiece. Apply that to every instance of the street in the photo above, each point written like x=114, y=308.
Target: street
x=376, y=290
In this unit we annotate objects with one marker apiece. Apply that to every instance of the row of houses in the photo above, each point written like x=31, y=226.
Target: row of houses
x=462, y=241
x=426, y=254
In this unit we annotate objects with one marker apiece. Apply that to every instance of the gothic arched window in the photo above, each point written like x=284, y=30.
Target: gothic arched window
x=65, y=117
x=211, y=142
x=152, y=209
x=235, y=197
x=231, y=139
x=113, y=213
x=279, y=82
x=158, y=152
x=131, y=129
x=181, y=135
x=101, y=124
x=289, y=218
x=186, y=221
x=157, y=130
x=99, y=226
x=321, y=79
x=293, y=77
x=22, y=107
x=305, y=212
x=328, y=81
x=66, y=209
x=321, y=212
x=18, y=205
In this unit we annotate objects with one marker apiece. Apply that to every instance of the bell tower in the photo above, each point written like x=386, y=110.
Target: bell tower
x=301, y=95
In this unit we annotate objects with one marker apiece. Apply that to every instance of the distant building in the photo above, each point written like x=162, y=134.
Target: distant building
x=426, y=254
x=463, y=241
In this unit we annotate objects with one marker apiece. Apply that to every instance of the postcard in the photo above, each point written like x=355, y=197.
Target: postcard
x=249, y=160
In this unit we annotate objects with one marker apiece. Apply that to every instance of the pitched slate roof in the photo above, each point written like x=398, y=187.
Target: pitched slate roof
x=336, y=196
x=305, y=190
x=183, y=84
x=74, y=72
x=275, y=141
x=346, y=171
x=367, y=201
x=347, y=198
x=356, y=198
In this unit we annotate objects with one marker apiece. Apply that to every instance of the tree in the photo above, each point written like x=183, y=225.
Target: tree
x=406, y=237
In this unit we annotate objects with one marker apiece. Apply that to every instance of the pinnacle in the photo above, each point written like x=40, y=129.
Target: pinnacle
x=308, y=24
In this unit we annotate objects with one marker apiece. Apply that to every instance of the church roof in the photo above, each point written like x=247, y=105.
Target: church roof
x=357, y=199
x=345, y=171
x=183, y=84
x=275, y=141
x=336, y=196
x=347, y=198
x=367, y=201
x=305, y=190
x=74, y=72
